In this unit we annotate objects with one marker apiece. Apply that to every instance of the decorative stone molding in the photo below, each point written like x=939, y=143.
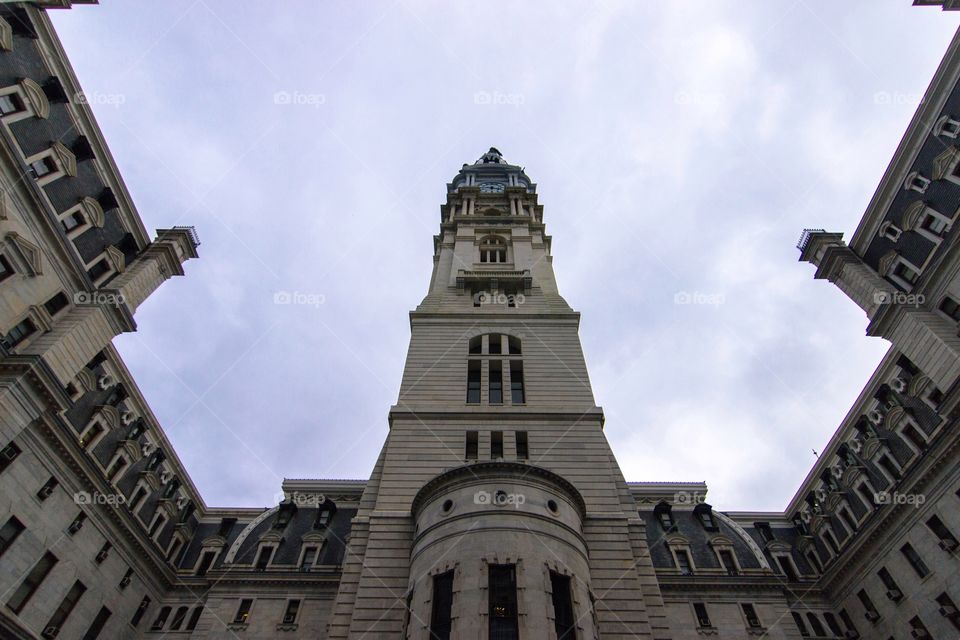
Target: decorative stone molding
x=912, y=215
x=6, y=36
x=916, y=182
x=27, y=256
x=944, y=164
x=116, y=258
x=86, y=379
x=110, y=415
x=93, y=211
x=35, y=97
x=886, y=263
x=65, y=158
x=918, y=384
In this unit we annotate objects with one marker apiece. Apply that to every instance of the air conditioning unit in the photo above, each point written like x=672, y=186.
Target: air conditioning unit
x=102, y=555
x=949, y=545
x=45, y=492
x=50, y=632
x=124, y=582
x=872, y=616
x=289, y=618
x=75, y=526
x=948, y=611
x=920, y=634
x=895, y=594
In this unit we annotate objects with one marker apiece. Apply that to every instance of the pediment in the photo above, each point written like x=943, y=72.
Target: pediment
x=944, y=163
x=27, y=254
x=36, y=97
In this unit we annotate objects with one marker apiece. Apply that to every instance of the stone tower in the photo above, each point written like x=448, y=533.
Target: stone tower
x=496, y=505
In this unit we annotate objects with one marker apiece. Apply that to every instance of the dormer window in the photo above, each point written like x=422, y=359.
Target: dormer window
x=704, y=513
x=10, y=104
x=665, y=517
x=43, y=166
x=889, y=231
x=916, y=182
x=947, y=127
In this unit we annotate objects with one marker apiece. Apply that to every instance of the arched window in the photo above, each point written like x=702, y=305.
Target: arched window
x=493, y=249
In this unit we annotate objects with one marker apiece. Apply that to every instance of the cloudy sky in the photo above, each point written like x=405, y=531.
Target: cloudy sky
x=678, y=147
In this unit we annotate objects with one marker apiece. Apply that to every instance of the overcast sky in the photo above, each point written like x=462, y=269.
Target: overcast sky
x=678, y=147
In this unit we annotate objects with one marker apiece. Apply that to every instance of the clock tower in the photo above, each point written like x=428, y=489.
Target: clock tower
x=496, y=508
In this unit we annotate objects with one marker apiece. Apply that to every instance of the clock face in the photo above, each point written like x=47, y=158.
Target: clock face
x=491, y=187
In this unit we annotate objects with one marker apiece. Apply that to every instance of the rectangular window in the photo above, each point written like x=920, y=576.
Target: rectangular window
x=869, y=500
x=12, y=528
x=868, y=606
x=47, y=489
x=948, y=609
x=205, y=561
x=67, y=605
x=243, y=611
x=263, y=558
x=801, y=627
x=905, y=273
x=847, y=622
x=21, y=331
x=947, y=541
x=93, y=631
x=32, y=582
x=831, y=621
x=99, y=269
x=309, y=557
x=496, y=382
x=159, y=521
x=951, y=308
x=523, y=449
x=914, y=437
x=915, y=560
x=5, y=269
x=786, y=567
x=473, y=382
x=90, y=435
x=194, y=618
x=77, y=523
x=727, y=562
x=887, y=465
x=103, y=553
x=141, y=609
x=750, y=614
x=563, y=619
x=472, y=445
x=8, y=454
x=893, y=589
x=503, y=602
x=43, y=166
x=125, y=580
x=496, y=444
x=10, y=103
x=703, y=618
x=442, y=608
x=814, y=561
x=918, y=629
x=516, y=382
x=495, y=346
x=56, y=304
x=72, y=220
x=683, y=563
x=290, y=615
x=116, y=468
x=178, y=618
x=848, y=520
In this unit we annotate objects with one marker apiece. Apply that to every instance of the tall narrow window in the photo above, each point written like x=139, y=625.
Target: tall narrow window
x=815, y=624
x=161, y=619
x=290, y=615
x=472, y=446
x=473, y=382
x=12, y=528
x=786, y=567
x=205, y=561
x=178, y=618
x=729, y=564
x=703, y=618
x=523, y=449
x=441, y=614
x=141, y=609
x=848, y=520
x=814, y=561
x=21, y=331
x=503, y=602
x=893, y=589
x=847, y=622
x=947, y=540
x=32, y=582
x=263, y=558
x=513, y=345
x=887, y=465
x=309, y=558
x=93, y=631
x=517, y=395
x=194, y=618
x=868, y=606
x=496, y=382
x=5, y=269
x=831, y=621
x=750, y=613
x=683, y=562
x=869, y=499
x=801, y=627
x=948, y=609
x=66, y=607
x=496, y=445
x=243, y=611
x=563, y=619
x=914, y=437
x=915, y=560
x=495, y=346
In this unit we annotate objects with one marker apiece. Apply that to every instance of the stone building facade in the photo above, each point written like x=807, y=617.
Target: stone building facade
x=496, y=508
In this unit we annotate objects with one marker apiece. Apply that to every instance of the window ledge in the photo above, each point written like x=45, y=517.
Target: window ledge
x=238, y=626
x=707, y=631
x=287, y=627
x=757, y=631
